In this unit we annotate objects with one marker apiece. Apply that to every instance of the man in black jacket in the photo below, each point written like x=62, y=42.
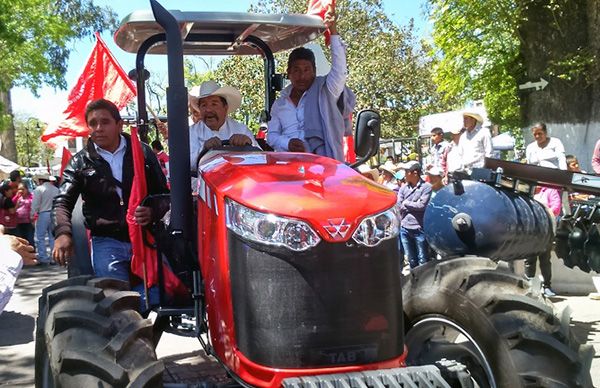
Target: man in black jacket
x=103, y=173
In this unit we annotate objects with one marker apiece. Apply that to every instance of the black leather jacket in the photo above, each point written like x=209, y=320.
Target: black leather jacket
x=90, y=175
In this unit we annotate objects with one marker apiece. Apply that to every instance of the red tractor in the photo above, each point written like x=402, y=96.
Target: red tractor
x=292, y=265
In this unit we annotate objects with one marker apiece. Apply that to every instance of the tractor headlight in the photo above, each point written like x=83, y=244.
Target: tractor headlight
x=377, y=228
x=268, y=228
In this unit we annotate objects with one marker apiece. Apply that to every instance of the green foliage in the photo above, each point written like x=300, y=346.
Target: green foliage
x=477, y=43
x=389, y=69
x=479, y=46
x=30, y=151
x=35, y=37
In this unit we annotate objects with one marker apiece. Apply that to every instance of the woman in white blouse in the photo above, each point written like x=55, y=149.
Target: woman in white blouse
x=545, y=151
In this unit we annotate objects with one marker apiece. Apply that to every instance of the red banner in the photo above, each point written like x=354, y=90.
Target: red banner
x=144, y=263
x=66, y=157
x=102, y=77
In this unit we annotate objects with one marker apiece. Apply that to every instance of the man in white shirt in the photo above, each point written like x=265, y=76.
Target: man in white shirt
x=41, y=205
x=15, y=253
x=312, y=114
x=475, y=142
x=215, y=104
x=437, y=149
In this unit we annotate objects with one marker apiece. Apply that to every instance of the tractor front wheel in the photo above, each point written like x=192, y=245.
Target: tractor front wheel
x=90, y=334
x=474, y=311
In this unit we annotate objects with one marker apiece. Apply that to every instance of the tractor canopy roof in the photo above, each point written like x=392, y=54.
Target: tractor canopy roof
x=220, y=33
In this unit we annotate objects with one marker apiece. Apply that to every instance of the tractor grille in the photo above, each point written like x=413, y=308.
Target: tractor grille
x=427, y=376
x=336, y=305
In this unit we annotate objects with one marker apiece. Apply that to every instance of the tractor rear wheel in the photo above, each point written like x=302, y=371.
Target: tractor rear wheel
x=90, y=334
x=475, y=311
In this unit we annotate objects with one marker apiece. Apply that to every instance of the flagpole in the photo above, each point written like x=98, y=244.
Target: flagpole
x=145, y=275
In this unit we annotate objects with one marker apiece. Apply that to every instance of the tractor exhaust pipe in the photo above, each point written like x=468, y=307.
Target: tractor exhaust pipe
x=179, y=146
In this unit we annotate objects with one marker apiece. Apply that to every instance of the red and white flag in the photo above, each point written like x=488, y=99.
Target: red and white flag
x=319, y=8
x=102, y=77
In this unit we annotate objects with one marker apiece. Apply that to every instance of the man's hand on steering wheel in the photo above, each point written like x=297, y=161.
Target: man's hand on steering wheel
x=239, y=140
x=213, y=142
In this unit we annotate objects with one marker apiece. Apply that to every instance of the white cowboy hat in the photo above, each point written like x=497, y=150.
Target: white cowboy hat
x=230, y=94
x=389, y=167
x=474, y=115
x=192, y=97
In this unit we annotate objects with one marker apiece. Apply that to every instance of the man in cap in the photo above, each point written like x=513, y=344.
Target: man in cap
x=313, y=113
x=475, y=142
x=413, y=197
x=215, y=103
x=436, y=176
x=41, y=206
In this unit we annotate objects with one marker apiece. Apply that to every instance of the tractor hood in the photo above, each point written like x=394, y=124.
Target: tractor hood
x=316, y=189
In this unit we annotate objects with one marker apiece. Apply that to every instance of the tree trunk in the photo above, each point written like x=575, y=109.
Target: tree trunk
x=549, y=37
x=593, y=14
x=8, y=147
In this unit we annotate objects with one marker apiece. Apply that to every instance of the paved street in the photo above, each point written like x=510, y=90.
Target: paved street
x=183, y=355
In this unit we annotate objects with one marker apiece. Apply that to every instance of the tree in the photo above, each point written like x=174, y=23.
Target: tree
x=486, y=48
x=34, y=40
x=31, y=152
x=389, y=69
x=477, y=43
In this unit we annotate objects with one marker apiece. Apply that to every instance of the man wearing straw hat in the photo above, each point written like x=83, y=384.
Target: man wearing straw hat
x=215, y=103
x=475, y=142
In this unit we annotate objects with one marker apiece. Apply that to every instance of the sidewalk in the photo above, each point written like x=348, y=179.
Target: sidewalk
x=182, y=355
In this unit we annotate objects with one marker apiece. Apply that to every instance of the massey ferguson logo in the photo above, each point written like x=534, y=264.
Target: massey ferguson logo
x=337, y=227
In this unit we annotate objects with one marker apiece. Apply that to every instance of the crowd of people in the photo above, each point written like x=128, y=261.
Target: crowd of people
x=311, y=115
x=26, y=214
x=467, y=149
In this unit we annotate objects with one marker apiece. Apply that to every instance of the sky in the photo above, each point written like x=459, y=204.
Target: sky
x=51, y=102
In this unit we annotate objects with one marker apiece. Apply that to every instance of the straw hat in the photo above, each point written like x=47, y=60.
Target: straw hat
x=389, y=167
x=474, y=115
x=212, y=88
x=364, y=169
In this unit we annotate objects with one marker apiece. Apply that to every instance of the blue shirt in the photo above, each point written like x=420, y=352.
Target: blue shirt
x=412, y=201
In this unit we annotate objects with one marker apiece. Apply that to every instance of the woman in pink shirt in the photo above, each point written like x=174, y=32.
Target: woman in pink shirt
x=22, y=201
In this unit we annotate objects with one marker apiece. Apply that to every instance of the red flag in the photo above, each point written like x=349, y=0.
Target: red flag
x=142, y=264
x=143, y=259
x=102, y=77
x=66, y=157
x=319, y=8
x=349, y=154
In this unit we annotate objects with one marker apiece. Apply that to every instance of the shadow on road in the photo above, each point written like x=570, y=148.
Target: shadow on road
x=585, y=332
x=20, y=325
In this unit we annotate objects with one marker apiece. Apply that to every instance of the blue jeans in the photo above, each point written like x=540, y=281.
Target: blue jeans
x=112, y=258
x=43, y=228
x=415, y=246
